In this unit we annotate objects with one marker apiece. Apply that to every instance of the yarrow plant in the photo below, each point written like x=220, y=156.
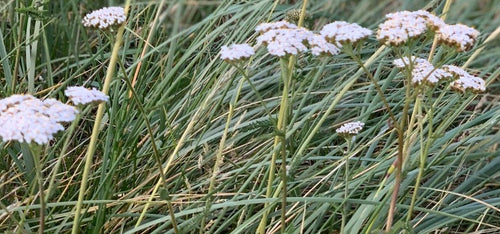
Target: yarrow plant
x=422, y=71
x=350, y=129
x=105, y=18
x=236, y=52
x=286, y=40
x=82, y=96
x=344, y=32
x=27, y=119
x=465, y=81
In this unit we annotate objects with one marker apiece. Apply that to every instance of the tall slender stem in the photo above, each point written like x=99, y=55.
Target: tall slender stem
x=443, y=17
x=35, y=152
x=95, y=130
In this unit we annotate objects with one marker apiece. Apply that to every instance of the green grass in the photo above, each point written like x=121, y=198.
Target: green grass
x=182, y=82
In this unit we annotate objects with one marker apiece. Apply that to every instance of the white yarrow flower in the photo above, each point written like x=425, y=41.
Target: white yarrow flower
x=105, y=17
x=236, y=52
x=25, y=118
x=80, y=95
x=319, y=46
x=422, y=71
x=264, y=27
x=460, y=36
x=401, y=26
x=282, y=42
x=342, y=32
x=351, y=128
x=465, y=81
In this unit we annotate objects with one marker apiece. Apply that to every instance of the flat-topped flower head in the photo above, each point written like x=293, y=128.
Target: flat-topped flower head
x=82, y=96
x=283, y=42
x=105, y=18
x=404, y=62
x=400, y=27
x=236, y=52
x=460, y=36
x=344, y=32
x=350, y=129
x=264, y=27
x=319, y=46
x=25, y=118
x=465, y=81
x=433, y=22
x=422, y=71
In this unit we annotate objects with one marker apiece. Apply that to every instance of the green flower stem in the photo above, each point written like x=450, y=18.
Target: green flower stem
x=423, y=151
x=95, y=131
x=348, y=50
x=443, y=17
x=35, y=152
x=398, y=164
x=346, y=190
x=280, y=128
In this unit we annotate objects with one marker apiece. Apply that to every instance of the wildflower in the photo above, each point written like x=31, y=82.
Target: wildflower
x=282, y=42
x=460, y=36
x=105, y=18
x=342, y=32
x=319, y=46
x=433, y=22
x=25, y=118
x=422, y=71
x=80, y=95
x=351, y=128
x=264, y=27
x=401, y=26
x=236, y=52
x=465, y=81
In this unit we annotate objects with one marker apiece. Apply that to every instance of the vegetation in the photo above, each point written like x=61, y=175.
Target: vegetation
x=190, y=136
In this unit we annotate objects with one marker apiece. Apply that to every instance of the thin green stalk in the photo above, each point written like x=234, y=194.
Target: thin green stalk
x=423, y=152
x=348, y=50
x=286, y=73
x=401, y=141
x=443, y=17
x=95, y=130
x=282, y=136
x=156, y=153
x=346, y=190
x=35, y=152
x=277, y=140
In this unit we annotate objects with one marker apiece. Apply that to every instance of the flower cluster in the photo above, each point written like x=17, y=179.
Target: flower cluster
x=460, y=36
x=80, y=95
x=285, y=41
x=342, y=32
x=401, y=26
x=422, y=70
x=351, y=128
x=465, y=81
x=25, y=118
x=319, y=46
x=404, y=25
x=236, y=52
x=264, y=27
x=105, y=18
